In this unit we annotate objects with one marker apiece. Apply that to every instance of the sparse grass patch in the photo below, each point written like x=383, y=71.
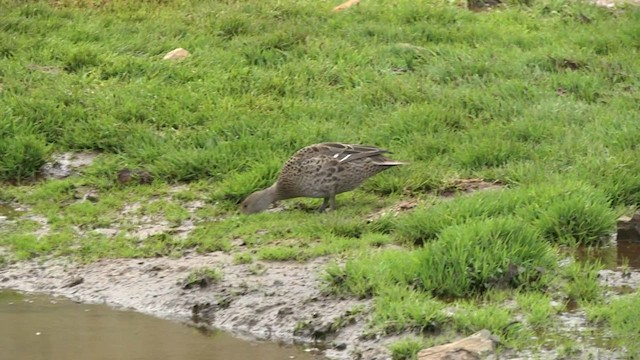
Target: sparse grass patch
x=581, y=281
x=172, y=211
x=623, y=319
x=206, y=239
x=537, y=307
x=282, y=253
x=242, y=258
x=202, y=277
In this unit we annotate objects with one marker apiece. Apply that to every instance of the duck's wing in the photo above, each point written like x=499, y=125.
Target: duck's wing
x=351, y=152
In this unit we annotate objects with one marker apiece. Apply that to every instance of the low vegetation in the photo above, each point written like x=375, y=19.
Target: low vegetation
x=202, y=277
x=622, y=319
x=537, y=97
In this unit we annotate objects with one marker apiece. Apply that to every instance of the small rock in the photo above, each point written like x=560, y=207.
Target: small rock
x=124, y=176
x=73, y=282
x=345, y=5
x=106, y=232
x=629, y=227
x=285, y=311
x=84, y=193
x=127, y=175
x=176, y=54
x=156, y=268
x=340, y=346
x=476, y=346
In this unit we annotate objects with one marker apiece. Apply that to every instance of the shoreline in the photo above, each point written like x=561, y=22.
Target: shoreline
x=283, y=304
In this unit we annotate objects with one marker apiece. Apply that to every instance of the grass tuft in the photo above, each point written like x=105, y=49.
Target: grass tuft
x=469, y=259
x=406, y=348
x=202, y=278
x=22, y=156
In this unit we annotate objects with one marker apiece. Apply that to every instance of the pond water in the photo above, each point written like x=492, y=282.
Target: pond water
x=625, y=253
x=38, y=327
x=6, y=212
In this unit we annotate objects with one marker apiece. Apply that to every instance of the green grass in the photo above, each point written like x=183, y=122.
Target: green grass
x=567, y=212
x=399, y=309
x=242, y=258
x=622, y=319
x=466, y=260
x=537, y=307
x=582, y=281
x=406, y=349
x=539, y=96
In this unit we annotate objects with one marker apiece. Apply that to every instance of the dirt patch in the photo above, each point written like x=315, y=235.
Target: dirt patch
x=393, y=210
x=283, y=303
x=469, y=186
x=66, y=164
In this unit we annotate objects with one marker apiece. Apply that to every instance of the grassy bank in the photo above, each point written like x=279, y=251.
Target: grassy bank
x=540, y=97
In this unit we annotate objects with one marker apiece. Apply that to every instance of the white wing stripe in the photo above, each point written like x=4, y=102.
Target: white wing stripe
x=345, y=158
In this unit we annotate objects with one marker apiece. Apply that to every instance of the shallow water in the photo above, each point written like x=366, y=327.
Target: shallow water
x=6, y=212
x=38, y=327
x=612, y=257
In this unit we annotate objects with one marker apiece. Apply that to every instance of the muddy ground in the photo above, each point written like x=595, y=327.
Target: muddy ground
x=279, y=302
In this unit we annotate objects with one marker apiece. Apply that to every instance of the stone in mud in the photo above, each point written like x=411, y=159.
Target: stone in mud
x=205, y=313
x=340, y=346
x=74, y=282
x=316, y=329
x=629, y=227
x=84, y=193
x=127, y=175
x=476, y=346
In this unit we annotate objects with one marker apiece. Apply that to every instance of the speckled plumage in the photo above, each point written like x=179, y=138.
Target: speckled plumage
x=321, y=171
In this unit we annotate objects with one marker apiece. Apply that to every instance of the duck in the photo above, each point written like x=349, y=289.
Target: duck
x=321, y=170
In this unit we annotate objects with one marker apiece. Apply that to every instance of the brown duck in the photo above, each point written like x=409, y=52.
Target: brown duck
x=321, y=171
